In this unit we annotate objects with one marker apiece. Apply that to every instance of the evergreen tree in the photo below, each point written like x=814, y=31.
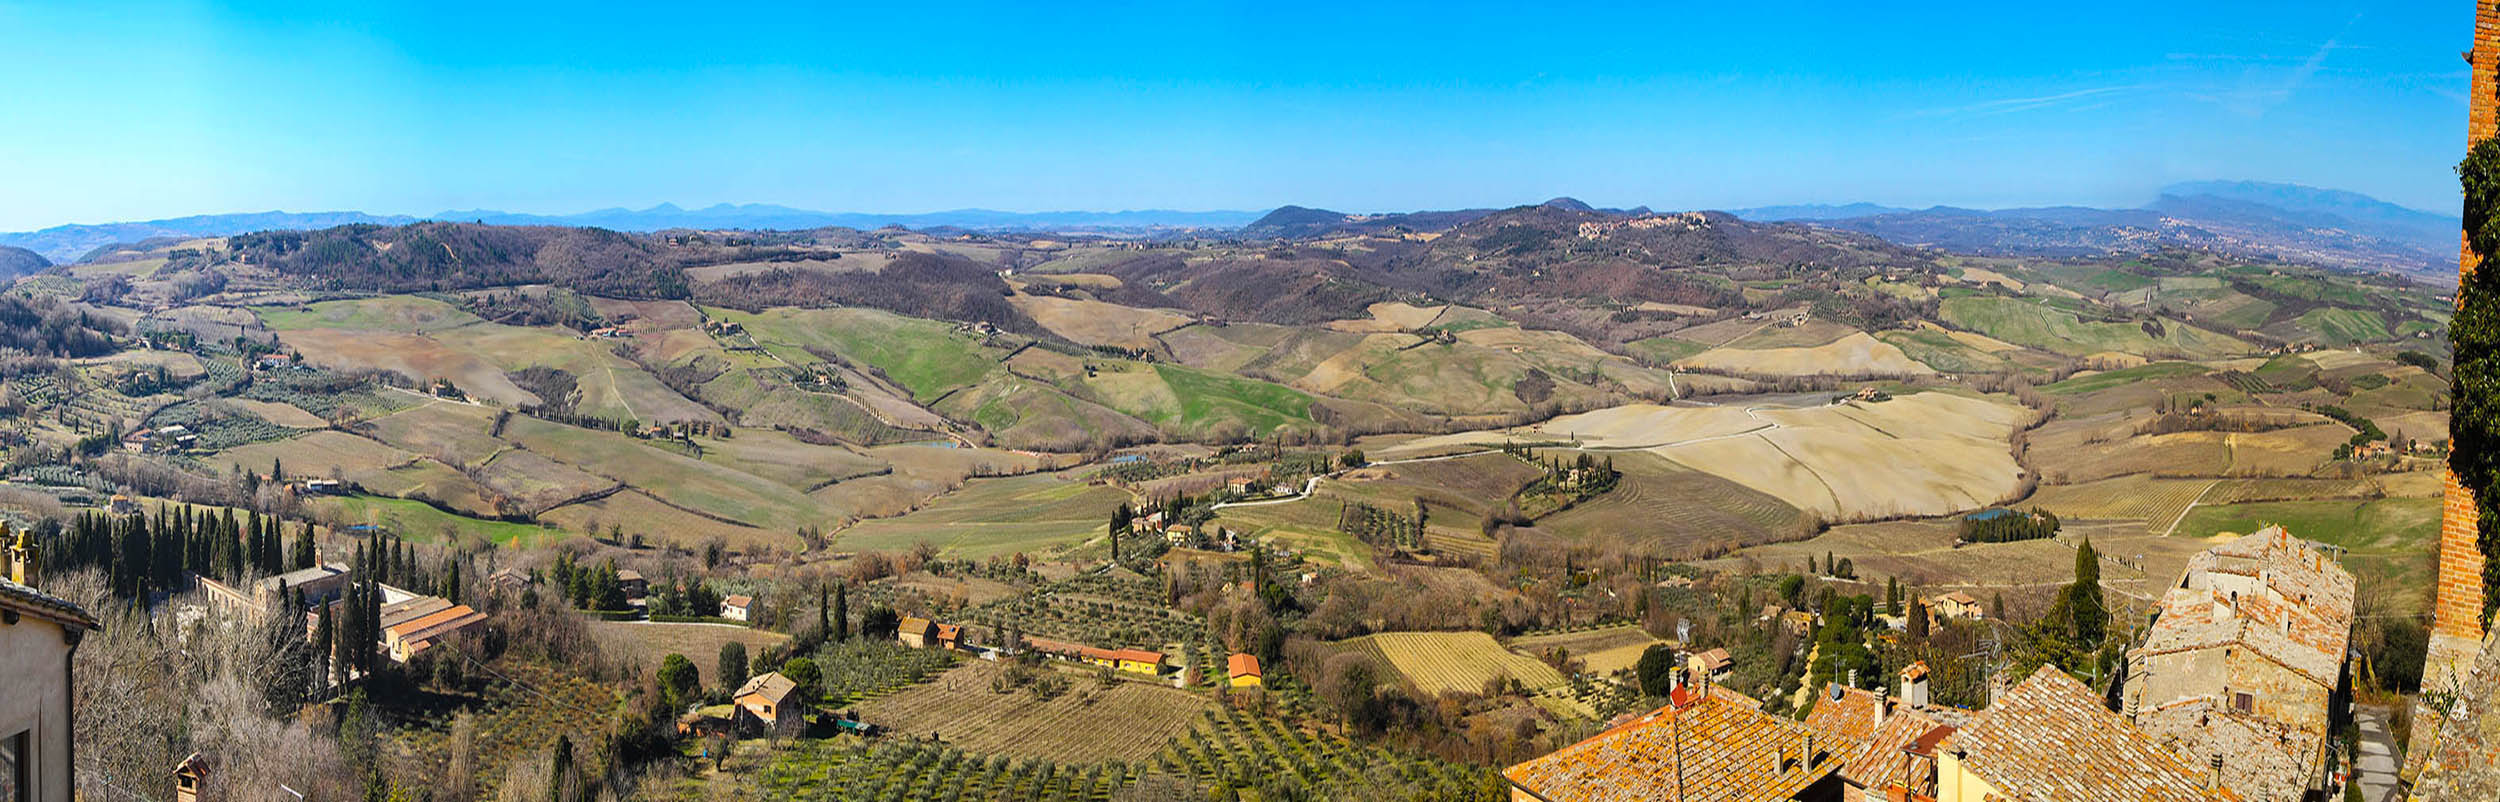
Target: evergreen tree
x=841, y=611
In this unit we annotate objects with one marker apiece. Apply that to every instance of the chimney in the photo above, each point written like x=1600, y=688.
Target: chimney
x=1853, y=678
x=21, y=554
x=2213, y=778
x=1914, y=685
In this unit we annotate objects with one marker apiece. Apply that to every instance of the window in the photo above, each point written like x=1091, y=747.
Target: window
x=17, y=770
x=2243, y=703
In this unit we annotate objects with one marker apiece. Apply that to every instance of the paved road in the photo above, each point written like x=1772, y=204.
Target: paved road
x=2376, y=770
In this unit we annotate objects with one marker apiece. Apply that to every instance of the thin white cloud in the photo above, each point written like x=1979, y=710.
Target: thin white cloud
x=2012, y=105
x=2260, y=92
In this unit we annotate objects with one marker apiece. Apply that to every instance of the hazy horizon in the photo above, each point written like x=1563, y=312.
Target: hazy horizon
x=252, y=106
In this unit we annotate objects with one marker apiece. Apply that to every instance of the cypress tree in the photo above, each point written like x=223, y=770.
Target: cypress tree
x=841, y=612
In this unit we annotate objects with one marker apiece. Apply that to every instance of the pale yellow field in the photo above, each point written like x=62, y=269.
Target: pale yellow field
x=1919, y=454
x=1858, y=353
x=1456, y=661
x=2333, y=360
x=1974, y=339
x=1390, y=316
x=1097, y=323
x=416, y=356
x=1983, y=276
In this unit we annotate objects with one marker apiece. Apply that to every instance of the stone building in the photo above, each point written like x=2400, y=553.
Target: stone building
x=38, y=633
x=2246, y=661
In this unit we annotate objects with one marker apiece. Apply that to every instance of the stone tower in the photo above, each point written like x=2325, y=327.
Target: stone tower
x=2456, y=612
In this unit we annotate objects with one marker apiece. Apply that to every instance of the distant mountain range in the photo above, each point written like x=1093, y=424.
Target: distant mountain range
x=770, y=216
x=69, y=243
x=2325, y=227
x=2331, y=228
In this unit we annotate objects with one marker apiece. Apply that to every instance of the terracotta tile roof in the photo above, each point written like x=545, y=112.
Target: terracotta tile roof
x=435, y=624
x=1241, y=664
x=1689, y=694
x=950, y=631
x=1900, y=752
x=2050, y=739
x=1715, y=659
x=44, y=605
x=1847, y=714
x=1714, y=750
x=773, y=687
x=740, y=600
x=397, y=613
x=914, y=625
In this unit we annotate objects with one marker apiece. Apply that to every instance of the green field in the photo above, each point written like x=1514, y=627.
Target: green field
x=2345, y=326
x=416, y=521
x=2390, y=541
x=1663, y=349
x=2124, y=376
x=990, y=517
x=412, y=314
x=1204, y=397
x=2043, y=325
x=927, y=357
x=671, y=477
x=1937, y=349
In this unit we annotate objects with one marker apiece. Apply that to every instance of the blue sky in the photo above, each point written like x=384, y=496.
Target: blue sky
x=121, y=111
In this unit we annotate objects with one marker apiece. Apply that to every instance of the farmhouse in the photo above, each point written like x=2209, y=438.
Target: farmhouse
x=38, y=633
x=2050, y=738
x=734, y=608
x=2244, y=660
x=188, y=775
x=949, y=636
x=765, y=702
x=1709, y=747
x=1241, y=670
x=631, y=580
x=508, y=580
x=1957, y=605
x=1138, y=661
x=1710, y=665
x=408, y=639
x=916, y=632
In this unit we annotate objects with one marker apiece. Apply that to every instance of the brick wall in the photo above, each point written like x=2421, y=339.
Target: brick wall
x=2457, y=611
